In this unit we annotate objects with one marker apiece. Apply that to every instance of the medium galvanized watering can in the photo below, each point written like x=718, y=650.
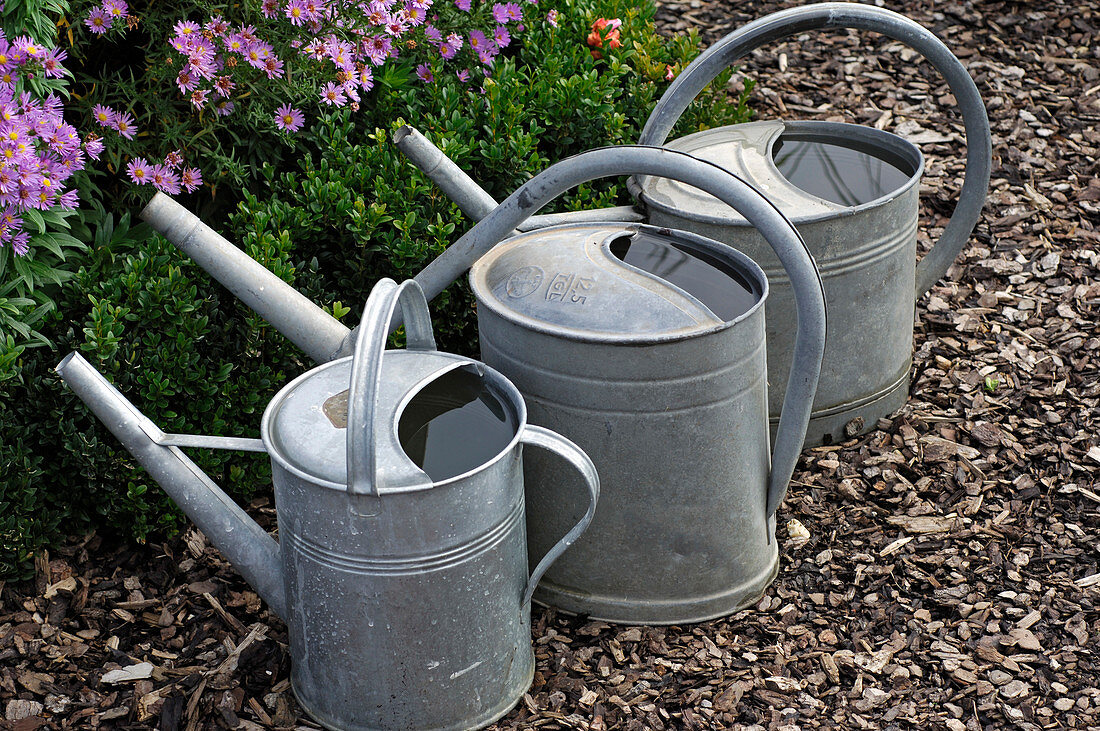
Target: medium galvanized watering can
x=669, y=393
x=646, y=347
x=851, y=191
x=401, y=567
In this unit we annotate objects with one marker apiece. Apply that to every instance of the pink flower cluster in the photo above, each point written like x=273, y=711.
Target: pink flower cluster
x=209, y=51
x=39, y=151
x=25, y=57
x=103, y=18
x=169, y=177
x=345, y=40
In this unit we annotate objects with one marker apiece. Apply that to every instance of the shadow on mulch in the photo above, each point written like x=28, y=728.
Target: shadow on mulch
x=950, y=577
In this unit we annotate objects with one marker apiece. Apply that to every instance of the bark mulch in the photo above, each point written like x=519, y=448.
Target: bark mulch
x=946, y=576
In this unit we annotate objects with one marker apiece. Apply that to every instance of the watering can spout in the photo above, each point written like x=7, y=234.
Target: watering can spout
x=250, y=549
x=293, y=314
x=475, y=201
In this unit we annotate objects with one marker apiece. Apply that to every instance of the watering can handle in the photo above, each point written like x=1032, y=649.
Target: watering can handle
x=809, y=344
x=540, y=437
x=366, y=371
x=786, y=23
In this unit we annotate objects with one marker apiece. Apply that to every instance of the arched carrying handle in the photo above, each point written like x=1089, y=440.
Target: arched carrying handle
x=366, y=371
x=540, y=437
x=809, y=344
x=979, y=149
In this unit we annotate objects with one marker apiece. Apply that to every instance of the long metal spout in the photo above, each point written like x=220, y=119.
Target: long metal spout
x=475, y=201
x=253, y=552
x=293, y=314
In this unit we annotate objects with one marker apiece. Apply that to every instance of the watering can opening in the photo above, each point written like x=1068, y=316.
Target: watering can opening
x=456, y=423
x=843, y=170
x=813, y=171
x=727, y=290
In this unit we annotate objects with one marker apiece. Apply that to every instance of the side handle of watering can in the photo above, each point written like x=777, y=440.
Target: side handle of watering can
x=809, y=344
x=316, y=332
x=251, y=550
x=475, y=201
x=366, y=475
x=786, y=23
x=537, y=436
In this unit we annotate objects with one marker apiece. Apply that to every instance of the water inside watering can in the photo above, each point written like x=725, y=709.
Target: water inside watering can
x=725, y=291
x=455, y=424
x=840, y=171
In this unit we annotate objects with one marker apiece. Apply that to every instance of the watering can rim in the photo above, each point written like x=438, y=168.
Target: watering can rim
x=839, y=130
x=494, y=379
x=479, y=271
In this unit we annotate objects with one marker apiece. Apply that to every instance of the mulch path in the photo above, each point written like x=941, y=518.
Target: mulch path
x=950, y=578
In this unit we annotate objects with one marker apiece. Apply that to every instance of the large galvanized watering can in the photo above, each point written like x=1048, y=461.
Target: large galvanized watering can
x=646, y=347
x=669, y=393
x=851, y=191
x=401, y=568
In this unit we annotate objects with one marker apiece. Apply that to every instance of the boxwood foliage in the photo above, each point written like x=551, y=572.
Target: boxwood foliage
x=194, y=360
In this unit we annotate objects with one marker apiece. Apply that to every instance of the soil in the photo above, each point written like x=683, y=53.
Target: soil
x=939, y=572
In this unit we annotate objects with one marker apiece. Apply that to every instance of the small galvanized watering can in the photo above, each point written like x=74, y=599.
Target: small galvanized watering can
x=851, y=191
x=646, y=347
x=401, y=567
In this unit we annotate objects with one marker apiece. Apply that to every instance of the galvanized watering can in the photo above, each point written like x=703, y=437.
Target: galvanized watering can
x=401, y=567
x=645, y=346
x=668, y=394
x=851, y=191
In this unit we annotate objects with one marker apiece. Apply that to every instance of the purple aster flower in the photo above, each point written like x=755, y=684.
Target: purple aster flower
x=366, y=79
x=93, y=145
x=104, y=115
x=186, y=28
x=288, y=119
x=51, y=63
x=513, y=11
x=463, y=5
x=478, y=41
x=224, y=85
x=552, y=18
x=424, y=73
x=270, y=8
x=501, y=37
x=98, y=21
x=223, y=107
x=124, y=123
x=69, y=199
x=116, y=8
x=333, y=95
x=198, y=97
x=173, y=160
x=191, y=179
x=19, y=243
x=414, y=15
x=217, y=25
x=296, y=11
x=500, y=13
x=464, y=75
x=432, y=33
x=139, y=171
x=165, y=180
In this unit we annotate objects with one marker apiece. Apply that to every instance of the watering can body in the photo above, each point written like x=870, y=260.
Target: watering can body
x=673, y=411
x=405, y=590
